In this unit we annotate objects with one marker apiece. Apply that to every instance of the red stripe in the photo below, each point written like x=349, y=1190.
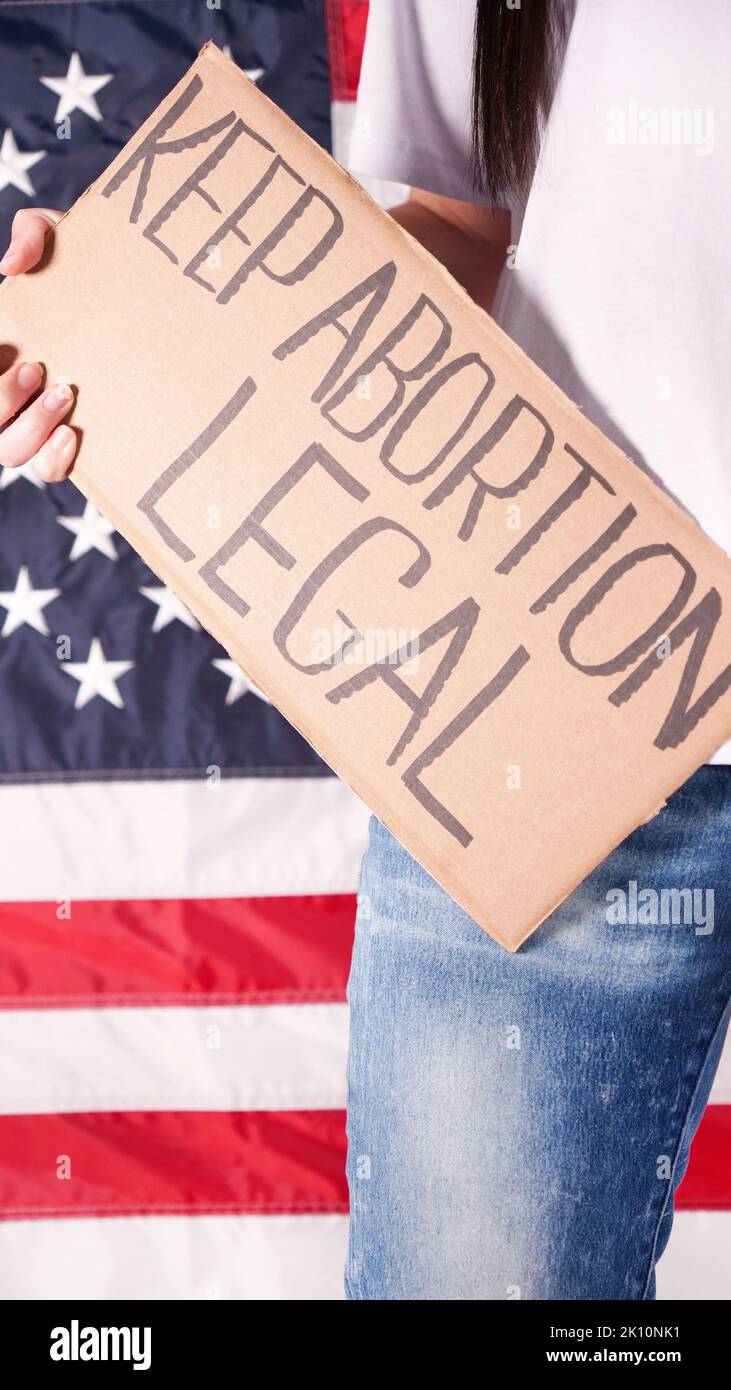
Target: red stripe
x=707, y=1183
x=153, y=1162
x=346, y=26
x=188, y=951
x=185, y=1162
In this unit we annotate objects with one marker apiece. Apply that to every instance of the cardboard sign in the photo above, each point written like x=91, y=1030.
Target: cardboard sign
x=483, y=616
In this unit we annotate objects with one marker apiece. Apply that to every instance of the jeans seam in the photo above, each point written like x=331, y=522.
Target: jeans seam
x=670, y=1193
x=352, y=1261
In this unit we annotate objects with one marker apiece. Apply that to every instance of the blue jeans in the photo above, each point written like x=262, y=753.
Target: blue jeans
x=518, y=1124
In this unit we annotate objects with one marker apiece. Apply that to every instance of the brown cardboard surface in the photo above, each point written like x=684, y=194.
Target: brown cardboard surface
x=307, y=429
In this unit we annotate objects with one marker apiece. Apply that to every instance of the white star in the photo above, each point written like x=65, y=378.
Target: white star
x=13, y=165
x=97, y=676
x=93, y=532
x=169, y=607
x=240, y=684
x=252, y=73
x=24, y=604
x=76, y=91
x=24, y=470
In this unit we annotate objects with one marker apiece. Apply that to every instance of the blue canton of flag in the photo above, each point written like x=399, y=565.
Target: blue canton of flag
x=102, y=670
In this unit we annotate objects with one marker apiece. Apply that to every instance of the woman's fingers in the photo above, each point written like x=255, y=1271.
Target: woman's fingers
x=30, y=229
x=25, y=437
x=54, y=458
x=17, y=386
x=36, y=434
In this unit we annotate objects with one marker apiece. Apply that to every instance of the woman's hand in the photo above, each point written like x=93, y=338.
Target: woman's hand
x=36, y=434
x=470, y=239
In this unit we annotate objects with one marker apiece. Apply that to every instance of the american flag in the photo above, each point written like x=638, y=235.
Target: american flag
x=177, y=888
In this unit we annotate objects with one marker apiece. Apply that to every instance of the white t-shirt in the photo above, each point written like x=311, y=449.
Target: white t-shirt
x=620, y=288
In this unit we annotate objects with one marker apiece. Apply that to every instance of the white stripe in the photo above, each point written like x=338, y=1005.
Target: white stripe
x=275, y=1057
x=242, y=837
x=721, y=1090
x=269, y=1057
x=697, y=1262
x=278, y=1258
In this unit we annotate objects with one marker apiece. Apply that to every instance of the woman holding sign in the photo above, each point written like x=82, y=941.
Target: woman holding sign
x=519, y=1124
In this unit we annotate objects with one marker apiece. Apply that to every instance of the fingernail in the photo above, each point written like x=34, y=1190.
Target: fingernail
x=29, y=374
x=61, y=438
x=58, y=395
x=8, y=258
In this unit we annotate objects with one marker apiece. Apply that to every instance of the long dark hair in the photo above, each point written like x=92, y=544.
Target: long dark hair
x=515, y=59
